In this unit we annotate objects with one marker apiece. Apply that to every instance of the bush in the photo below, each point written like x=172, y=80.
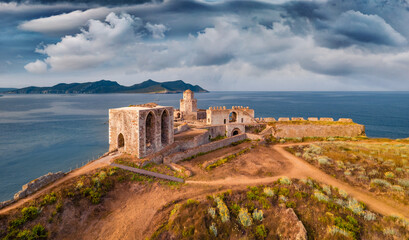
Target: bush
x=213, y=229
x=269, y=192
x=343, y=193
x=261, y=231
x=223, y=210
x=258, y=215
x=192, y=202
x=389, y=175
x=49, y=199
x=404, y=182
x=380, y=182
x=285, y=180
x=39, y=232
x=320, y=196
x=212, y=212
x=30, y=213
x=369, y=216
x=244, y=217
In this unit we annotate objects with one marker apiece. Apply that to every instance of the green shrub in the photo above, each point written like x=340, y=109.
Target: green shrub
x=30, y=213
x=49, y=199
x=39, y=232
x=192, y=202
x=261, y=231
x=290, y=204
x=284, y=191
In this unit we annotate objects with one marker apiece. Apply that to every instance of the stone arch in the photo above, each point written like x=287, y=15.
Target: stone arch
x=121, y=141
x=165, y=127
x=233, y=117
x=235, y=132
x=178, y=115
x=150, y=130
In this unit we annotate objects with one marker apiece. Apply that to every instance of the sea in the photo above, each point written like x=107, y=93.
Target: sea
x=50, y=133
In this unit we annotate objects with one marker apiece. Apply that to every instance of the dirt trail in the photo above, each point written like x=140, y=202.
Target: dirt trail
x=301, y=169
x=102, y=162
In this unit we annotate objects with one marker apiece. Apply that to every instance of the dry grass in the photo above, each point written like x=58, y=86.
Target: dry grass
x=380, y=167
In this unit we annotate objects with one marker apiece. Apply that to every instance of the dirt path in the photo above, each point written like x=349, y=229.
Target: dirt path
x=301, y=169
x=102, y=162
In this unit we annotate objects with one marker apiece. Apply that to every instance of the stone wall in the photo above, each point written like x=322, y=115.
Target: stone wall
x=182, y=128
x=317, y=130
x=215, y=131
x=176, y=157
x=235, y=129
x=37, y=184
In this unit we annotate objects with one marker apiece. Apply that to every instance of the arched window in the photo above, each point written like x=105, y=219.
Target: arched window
x=233, y=117
x=165, y=127
x=150, y=130
x=121, y=141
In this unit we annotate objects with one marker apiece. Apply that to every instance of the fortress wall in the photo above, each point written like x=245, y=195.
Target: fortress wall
x=176, y=157
x=215, y=131
x=312, y=130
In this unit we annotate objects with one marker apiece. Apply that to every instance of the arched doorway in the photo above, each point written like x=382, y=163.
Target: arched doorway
x=121, y=141
x=235, y=132
x=165, y=127
x=178, y=115
x=150, y=130
x=233, y=117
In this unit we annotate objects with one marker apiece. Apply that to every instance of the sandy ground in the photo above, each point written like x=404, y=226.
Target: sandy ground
x=133, y=210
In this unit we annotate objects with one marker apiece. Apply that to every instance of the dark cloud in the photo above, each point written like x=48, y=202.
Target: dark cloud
x=95, y=2
x=239, y=39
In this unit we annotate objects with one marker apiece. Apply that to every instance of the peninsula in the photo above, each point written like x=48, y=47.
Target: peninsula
x=106, y=86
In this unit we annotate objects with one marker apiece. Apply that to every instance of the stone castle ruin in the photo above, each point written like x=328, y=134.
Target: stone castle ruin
x=164, y=134
x=140, y=130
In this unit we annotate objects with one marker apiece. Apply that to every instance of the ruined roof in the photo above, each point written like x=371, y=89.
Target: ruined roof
x=140, y=107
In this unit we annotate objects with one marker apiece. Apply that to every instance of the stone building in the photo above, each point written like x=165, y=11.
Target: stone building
x=140, y=130
x=235, y=115
x=188, y=108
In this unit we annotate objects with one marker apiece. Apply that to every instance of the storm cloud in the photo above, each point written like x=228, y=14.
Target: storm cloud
x=275, y=45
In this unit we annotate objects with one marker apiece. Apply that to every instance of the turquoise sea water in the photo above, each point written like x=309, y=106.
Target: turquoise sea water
x=49, y=133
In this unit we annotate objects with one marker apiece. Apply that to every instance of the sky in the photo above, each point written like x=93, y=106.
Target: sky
x=232, y=45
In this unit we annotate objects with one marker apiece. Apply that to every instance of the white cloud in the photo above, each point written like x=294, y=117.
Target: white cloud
x=66, y=22
x=36, y=67
x=157, y=30
x=228, y=55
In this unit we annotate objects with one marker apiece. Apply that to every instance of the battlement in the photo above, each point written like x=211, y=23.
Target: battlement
x=300, y=119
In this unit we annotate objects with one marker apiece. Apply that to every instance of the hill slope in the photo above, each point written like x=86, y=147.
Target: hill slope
x=105, y=86
x=6, y=89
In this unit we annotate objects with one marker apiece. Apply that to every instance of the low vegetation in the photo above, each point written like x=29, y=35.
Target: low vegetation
x=382, y=168
x=228, y=158
x=41, y=218
x=260, y=213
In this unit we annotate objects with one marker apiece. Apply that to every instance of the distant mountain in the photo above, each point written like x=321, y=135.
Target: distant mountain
x=6, y=89
x=105, y=86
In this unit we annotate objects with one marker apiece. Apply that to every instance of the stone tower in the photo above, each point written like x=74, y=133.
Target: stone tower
x=188, y=106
